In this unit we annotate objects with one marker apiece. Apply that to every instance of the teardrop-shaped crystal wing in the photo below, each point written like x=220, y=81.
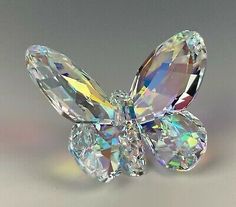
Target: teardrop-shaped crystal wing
x=170, y=77
x=70, y=90
x=177, y=140
x=96, y=149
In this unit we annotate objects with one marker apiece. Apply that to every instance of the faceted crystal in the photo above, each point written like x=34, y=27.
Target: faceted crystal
x=109, y=134
x=124, y=106
x=170, y=76
x=96, y=148
x=103, y=150
x=177, y=140
x=69, y=89
x=132, y=148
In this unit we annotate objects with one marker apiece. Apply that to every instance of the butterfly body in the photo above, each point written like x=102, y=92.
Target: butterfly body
x=110, y=135
x=115, y=147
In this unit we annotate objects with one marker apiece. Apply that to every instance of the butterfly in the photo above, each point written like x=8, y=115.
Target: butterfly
x=114, y=134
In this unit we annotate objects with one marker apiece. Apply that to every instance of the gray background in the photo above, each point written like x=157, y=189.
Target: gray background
x=111, y=39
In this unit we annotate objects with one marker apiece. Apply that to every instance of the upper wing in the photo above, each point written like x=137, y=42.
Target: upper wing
x=69, y=89
x=170, y=76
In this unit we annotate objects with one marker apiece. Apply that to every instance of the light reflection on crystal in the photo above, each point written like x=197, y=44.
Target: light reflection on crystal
x=96, y=150
x=70, y=90
x=132, y=150
x=109, y=134
x=177, y=140
x=170, y=76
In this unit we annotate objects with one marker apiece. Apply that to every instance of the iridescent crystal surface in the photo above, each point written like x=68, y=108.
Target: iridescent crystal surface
x=177, y=140
x=103, y=150
x=133, y=161
x=70, y=90
x=170, y=76
x=110, y=133
x=96, y=149
x=132, y=148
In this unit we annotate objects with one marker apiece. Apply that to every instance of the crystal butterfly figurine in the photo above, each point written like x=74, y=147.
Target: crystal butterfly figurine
x=112, y=134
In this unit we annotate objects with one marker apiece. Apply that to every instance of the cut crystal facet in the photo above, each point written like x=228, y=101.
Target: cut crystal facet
x=170, y=76
x=96, y=148
x=103, y=150
x=110, y=133
x=133, y=161
x=132, y=148
x=69, y=89
x=177, y=140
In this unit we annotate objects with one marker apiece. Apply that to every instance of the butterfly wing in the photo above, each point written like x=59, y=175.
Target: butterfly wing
x=165, y=84
x=72, y=92
x=170, y=77
x=176, y=140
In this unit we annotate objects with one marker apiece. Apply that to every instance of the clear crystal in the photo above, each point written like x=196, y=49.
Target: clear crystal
x=177, y=140
x=132, y=148
x=103, y=150
x=96, y=148
x=72, y=92
x=109, y=133
x=170, y=76
x=124, y=106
